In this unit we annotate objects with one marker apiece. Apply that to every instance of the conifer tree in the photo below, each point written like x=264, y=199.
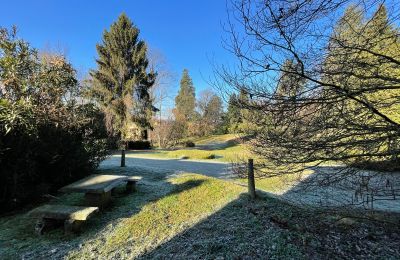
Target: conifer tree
x=290, y=84
x=367, y=73
x=233, y=117
x=122, y=80
x=185, y=101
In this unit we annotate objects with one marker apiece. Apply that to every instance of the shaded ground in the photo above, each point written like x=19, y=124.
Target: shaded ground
x=376, y=191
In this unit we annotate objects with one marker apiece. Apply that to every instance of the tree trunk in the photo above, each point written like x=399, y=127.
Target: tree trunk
x=123, y=155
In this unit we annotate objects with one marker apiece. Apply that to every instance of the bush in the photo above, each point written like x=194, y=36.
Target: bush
x=138, y=145
x=189, y=144
x=47, y=140
x=39, y=157
x=211, y=156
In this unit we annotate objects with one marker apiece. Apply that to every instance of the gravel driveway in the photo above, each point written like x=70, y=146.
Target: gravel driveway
x=213, y=169
x=317, y=196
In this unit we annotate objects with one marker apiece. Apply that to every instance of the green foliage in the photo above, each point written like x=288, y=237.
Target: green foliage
x=139, y=145
x=185, y=101
x=233, y=117
x=357, y=63
x=240, y=118
x=122, y=81
x=251, y=120
x=210, y=114
x=189, y=144
x=290, y=84
x=46, y=139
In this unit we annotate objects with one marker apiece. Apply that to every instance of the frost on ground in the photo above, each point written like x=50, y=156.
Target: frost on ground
x=342, y=187
x=312, y=189
x=185, y=216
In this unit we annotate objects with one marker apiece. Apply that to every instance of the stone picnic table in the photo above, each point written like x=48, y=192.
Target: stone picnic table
x=98, y=188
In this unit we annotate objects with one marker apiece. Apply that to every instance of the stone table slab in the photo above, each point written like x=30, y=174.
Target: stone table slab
x=95, y=184
x=63, y=212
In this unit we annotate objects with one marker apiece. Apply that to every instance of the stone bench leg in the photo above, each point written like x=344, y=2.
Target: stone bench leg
x=130, y=186
x=46, y=224
x=72, y=226
x=100, y=200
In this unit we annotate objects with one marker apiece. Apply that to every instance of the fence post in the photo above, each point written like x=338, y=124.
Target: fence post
x=251, y=182
x=123, y=158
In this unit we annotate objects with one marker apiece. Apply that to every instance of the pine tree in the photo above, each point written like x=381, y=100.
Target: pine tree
x=355, y=63
x=290, y=84
x=185, y=101
x=233, y=117
x=210, y=111
x=122, y=80
x=250, y=120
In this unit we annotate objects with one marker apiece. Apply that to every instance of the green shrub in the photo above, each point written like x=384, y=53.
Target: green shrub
x=38, y=157
x=189, y=144
x=138, y=145
x=211, y=156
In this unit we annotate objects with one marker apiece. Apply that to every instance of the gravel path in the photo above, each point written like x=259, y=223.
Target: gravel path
x=317, y=196
x=213, y=169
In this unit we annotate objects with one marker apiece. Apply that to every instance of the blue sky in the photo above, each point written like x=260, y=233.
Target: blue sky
x=187, y=32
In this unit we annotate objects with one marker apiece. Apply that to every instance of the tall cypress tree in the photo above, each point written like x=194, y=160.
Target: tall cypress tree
x=185, y=101
x=122, y=79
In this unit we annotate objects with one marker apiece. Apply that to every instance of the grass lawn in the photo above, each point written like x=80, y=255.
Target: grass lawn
x=215, y=139
x=221, y=148
x=277, y=185
x=194, y=216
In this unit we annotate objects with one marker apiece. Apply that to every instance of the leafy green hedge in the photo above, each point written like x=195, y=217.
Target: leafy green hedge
x=38, y=157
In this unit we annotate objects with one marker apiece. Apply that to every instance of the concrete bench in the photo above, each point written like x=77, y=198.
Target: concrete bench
x=131, y=183
x=51, y=216
x=97, y=188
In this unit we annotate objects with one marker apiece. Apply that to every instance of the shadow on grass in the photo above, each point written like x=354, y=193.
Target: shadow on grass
x=237, y=231
x=268, y=228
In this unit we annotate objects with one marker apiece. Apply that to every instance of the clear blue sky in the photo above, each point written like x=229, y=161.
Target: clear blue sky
x=187, y=32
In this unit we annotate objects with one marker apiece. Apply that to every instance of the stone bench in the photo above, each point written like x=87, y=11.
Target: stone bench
x=131, y=183
x=51, y=216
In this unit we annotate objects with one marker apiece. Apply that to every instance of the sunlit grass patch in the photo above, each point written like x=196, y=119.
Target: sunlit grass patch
x=192, y=198
x=277, y=184
x=216, y=138
x=229, y=154
x=221, y=148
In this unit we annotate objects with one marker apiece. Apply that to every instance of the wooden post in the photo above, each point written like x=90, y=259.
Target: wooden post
x=123, y=158
x=251, y=182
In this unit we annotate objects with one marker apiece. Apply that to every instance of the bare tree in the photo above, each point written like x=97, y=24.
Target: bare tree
x=160, y=93
x=346, y=55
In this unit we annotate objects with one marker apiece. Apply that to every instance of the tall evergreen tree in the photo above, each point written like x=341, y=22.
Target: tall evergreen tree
x=122, y=80
x=233, y=118
x=367, y=76
x=290, y=84
x=185, y=101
